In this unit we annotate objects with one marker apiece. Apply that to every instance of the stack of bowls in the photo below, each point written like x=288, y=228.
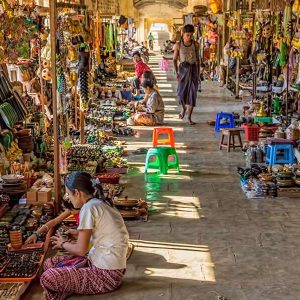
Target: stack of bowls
x=15, y=237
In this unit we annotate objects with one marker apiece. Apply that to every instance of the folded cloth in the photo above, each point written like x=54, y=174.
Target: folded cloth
x=274, y=141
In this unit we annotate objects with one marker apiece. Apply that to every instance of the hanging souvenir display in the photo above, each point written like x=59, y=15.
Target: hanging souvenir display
x=215, y=6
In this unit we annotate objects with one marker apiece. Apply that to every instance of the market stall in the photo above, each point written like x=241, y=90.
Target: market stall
x=61, y=110
x=262, y=57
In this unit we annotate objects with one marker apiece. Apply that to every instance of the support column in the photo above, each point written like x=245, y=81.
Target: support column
x=57, y=178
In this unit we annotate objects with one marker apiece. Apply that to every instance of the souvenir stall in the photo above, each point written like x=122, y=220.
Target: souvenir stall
x=237, y=51
x=61, y=110
x=127, y=46
x=26, y=146
x=207, y=34
x=267, y=80
x=90, y=91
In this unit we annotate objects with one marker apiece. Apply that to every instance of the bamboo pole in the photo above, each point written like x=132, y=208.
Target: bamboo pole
x=57, y=179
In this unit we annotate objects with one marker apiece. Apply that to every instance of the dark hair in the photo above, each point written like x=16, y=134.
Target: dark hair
x=122, y=20
x=149, y=75
x=189, y=28
x=136, y=53
x=83, y=182
x=147, y=83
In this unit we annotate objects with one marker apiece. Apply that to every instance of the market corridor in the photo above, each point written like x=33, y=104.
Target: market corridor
x=203, y=236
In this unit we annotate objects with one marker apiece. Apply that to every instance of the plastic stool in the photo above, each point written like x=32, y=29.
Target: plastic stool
x=231, y=133
x=221, y=116
x=162, y=162
x=159, y=163
x=167, y=152
x=272, y=154
x=163, y=130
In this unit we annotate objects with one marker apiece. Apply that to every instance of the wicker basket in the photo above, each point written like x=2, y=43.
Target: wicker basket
x=126, y=202
x=129, y=214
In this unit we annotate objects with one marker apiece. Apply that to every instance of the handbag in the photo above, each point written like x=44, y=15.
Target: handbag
x=76, y=261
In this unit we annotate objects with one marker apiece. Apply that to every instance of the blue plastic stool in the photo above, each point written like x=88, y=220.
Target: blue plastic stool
x=221, y=116
x=273, y=157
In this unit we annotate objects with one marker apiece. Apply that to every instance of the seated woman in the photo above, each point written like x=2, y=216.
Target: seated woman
x=150, y=112
x=102, y=270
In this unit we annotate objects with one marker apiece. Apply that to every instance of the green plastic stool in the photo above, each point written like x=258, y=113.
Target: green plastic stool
x=158, y=164
x=167, y=152
x=162, y=162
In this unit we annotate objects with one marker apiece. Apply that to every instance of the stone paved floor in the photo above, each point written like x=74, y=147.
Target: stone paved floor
x=205, y=236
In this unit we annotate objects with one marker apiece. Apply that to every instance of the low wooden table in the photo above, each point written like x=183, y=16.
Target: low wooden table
x=231, y=133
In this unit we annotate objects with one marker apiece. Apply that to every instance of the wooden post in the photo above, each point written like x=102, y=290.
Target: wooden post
x=42, y=94
x=76, y=108
x=82, y=135
x=238, y=62
x=57, y=178
x=227, y=64
x=287, y=93
x=222, y=41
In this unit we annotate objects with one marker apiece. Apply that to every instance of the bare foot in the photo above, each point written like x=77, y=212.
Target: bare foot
x=182, y=114
x=191, y=122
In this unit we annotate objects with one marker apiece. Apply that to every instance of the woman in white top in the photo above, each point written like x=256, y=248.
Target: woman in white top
x=151, y=111
x=103, y=268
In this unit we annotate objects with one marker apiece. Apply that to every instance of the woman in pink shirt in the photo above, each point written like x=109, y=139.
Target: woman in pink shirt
x=140, y=68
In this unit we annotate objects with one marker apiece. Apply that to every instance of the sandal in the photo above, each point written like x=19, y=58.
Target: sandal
x=129, y=251
x=140, y=151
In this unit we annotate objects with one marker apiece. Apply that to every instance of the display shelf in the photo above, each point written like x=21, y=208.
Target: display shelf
x=292, y=192
x=13, y=290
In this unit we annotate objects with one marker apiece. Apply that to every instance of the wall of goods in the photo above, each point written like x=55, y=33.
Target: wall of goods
x=262, y=54
x=91, y=122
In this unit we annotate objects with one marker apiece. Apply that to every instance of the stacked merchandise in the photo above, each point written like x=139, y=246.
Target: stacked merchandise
x=11, y=290
x=19, y=261
x=132, y=208
x=262, y=182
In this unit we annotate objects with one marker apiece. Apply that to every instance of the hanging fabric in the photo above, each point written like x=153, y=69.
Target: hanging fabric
x=103, y=35
x=115, y=37
x=111, y=36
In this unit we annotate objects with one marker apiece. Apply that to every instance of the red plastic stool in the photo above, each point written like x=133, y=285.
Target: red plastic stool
x=169, y=141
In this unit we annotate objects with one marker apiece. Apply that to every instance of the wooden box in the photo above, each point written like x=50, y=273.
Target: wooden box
x=32, y=196
x=44, y=195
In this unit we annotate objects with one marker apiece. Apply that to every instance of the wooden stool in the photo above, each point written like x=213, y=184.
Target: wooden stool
x=231, y=133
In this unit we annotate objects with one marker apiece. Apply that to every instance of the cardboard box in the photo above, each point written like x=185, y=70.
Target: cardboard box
x=32, y=196
x=44, y=195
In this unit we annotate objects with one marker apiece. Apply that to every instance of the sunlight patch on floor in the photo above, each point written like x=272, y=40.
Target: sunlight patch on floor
x=178, y=261
x=164, y=85
x=145, y=128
